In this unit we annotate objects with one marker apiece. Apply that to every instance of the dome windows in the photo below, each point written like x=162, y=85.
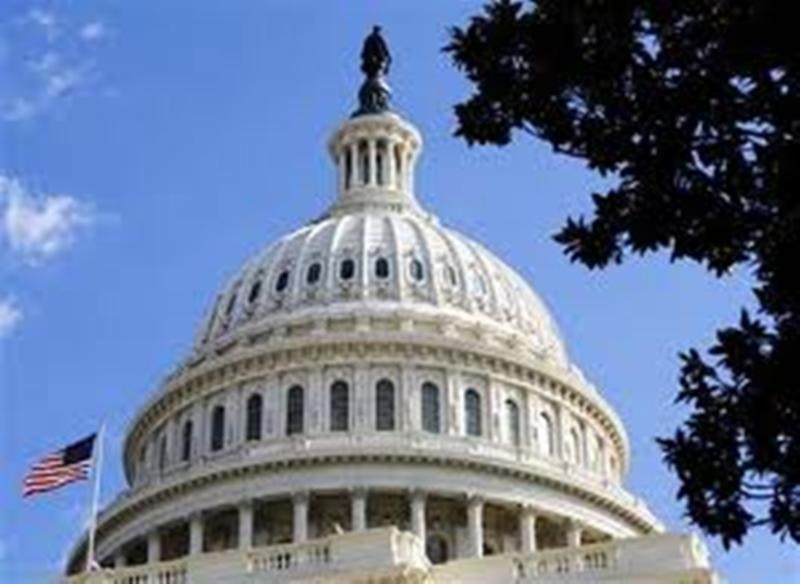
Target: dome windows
x=186, y=440
x=231, y=305
x=416, y=270
x=340, y=407
x=451, y=275
x=255, y=407
x=282, y=282
x=384, y=405
x=217, y=428
x=314, y=274
x=512, y=422
x=255, y=292
x=472, y=413
x=547, y=444
x=382, y=268
x=295, y=407
x=431, y=408
x=347, y=269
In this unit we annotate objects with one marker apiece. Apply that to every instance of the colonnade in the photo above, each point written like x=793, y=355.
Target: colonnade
x=417, y=500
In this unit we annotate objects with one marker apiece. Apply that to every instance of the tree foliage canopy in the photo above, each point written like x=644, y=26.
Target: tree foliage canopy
x=692, y=107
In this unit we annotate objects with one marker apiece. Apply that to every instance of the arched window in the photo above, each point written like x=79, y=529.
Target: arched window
x=162, y=453
x=472, y=412
x=217, y=428
x=314, y=273
x=597, y=455
x=512, y=422
x=294, y=410
x=282, y=282
x=547, y=437
x=575, y=445
x=382, y=268
x=186, y=440
x=347, y=269
x=255, y=292
x=431, y=408
x=452, y=275
x=255, y=407
x=231, y=305
x=547, y=441
x=416, y=269
x=340, y=406
x=142, y=460
x=384, y=405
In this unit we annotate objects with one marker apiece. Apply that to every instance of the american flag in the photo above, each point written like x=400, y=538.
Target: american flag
x=60, y=468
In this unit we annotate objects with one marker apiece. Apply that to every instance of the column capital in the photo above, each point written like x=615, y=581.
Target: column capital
x=301, y=496
x=474, y=499
x=417, y=494
x=359, y=492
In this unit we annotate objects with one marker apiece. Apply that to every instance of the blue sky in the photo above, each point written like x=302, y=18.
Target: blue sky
x=147, y=148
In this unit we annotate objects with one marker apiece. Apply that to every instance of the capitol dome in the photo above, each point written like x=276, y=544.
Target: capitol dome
x=374, y=378
x=375, y=254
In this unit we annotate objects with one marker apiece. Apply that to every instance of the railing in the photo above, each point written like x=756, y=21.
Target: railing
x=291, y=557
x=593, y=558
x=173, y=572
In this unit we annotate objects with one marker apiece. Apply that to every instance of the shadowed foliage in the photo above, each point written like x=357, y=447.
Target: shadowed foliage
x=690, y=107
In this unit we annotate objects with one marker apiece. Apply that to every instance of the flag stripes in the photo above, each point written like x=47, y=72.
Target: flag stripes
x=60, y=468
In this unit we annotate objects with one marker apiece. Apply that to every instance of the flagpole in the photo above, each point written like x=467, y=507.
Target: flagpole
x=97, y=467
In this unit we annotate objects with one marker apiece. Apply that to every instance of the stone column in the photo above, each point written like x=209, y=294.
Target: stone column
x=355, y=166
x=153, y=547
x=300, y=501
x=358, y=509
x=196, y=534
x=574, y=532
x=418, y=514
x=372, y=163
x=475, y=525
x=527, y=530
x=245, y=524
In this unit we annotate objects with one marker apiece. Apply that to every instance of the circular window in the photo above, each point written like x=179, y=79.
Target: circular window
x=283, y=281
x=314, y=273
x=382, y=268
x=347, y=269
x=417, y=270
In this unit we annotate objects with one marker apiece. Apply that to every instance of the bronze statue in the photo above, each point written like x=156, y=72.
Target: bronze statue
x=375, y=56
x=373, y=97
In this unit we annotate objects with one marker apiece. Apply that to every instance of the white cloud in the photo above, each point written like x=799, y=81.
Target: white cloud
x=10, y=317
x=41, y=75
x=93, y=31
x=46, y=20
x=37, y=227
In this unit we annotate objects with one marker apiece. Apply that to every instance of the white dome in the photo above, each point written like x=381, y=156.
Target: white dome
x=376, y=251
x=384, y=262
